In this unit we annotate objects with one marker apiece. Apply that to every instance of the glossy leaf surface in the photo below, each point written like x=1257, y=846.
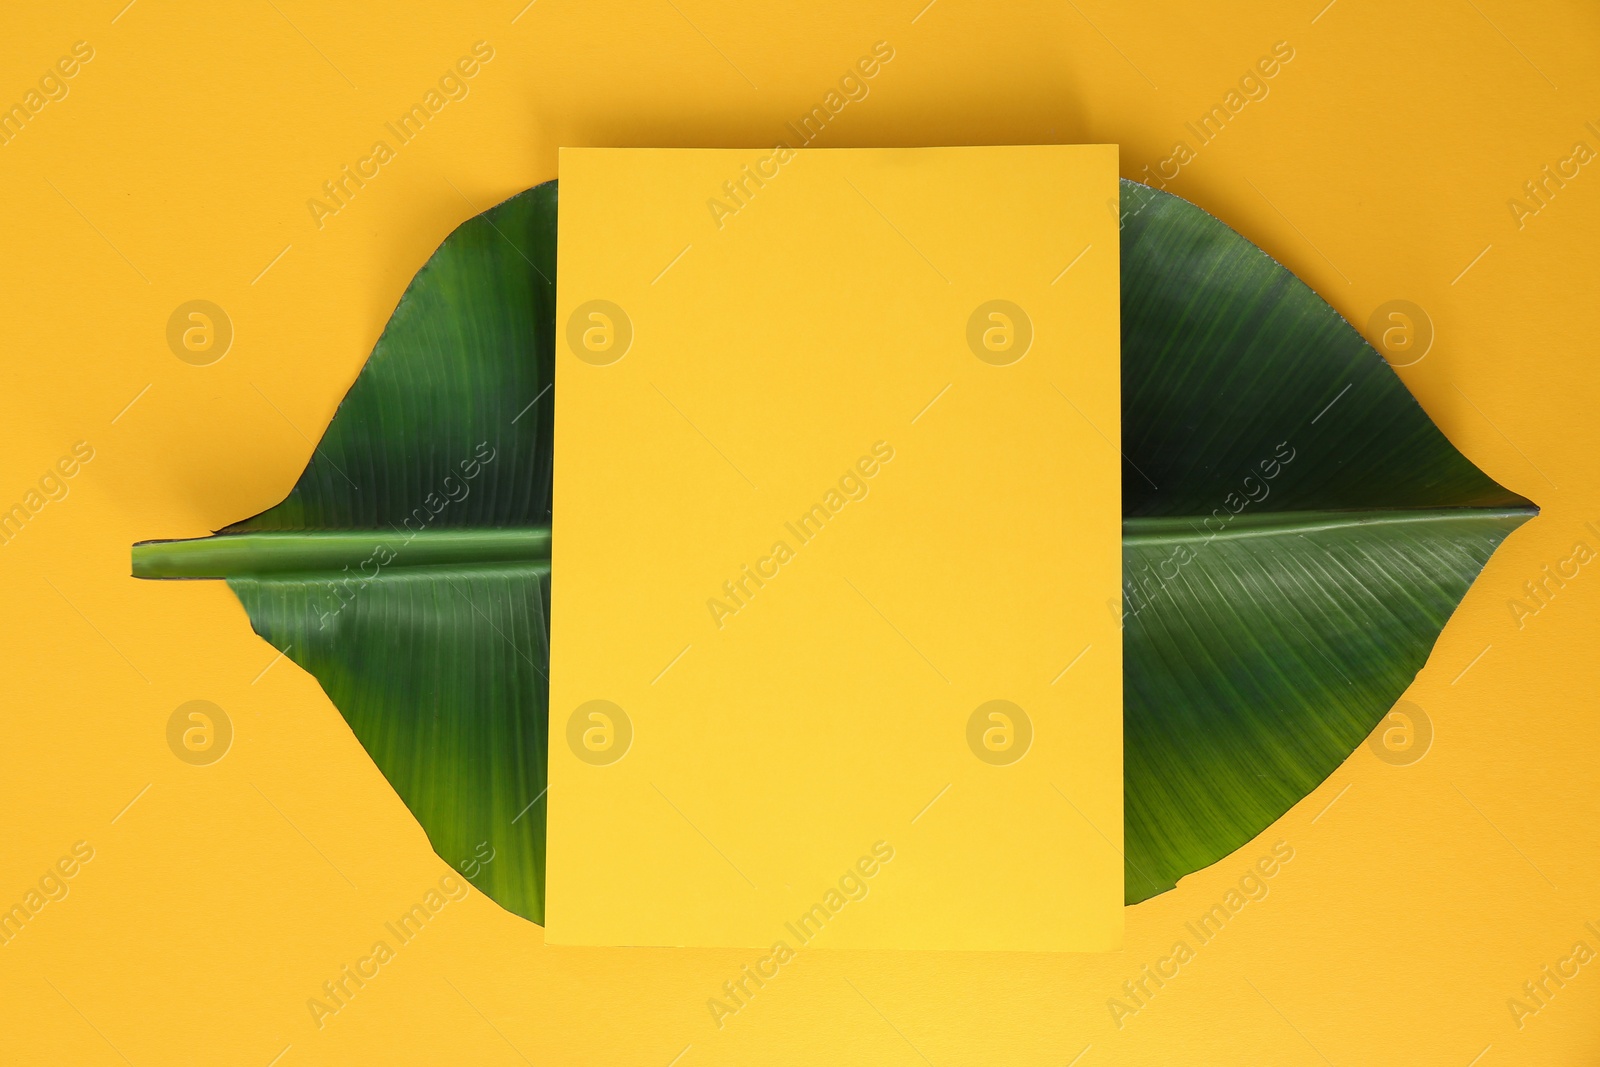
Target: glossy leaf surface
x=1297, y=532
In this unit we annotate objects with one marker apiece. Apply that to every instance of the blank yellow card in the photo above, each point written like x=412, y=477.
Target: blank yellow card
x=837, y=551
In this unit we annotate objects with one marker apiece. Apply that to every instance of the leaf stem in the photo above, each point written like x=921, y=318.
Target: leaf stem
x=314, y=551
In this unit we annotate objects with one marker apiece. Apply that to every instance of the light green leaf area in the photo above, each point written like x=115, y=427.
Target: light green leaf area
x=1296, y=534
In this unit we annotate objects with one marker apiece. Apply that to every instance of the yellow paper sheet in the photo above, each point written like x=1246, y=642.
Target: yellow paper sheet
x=835, y=657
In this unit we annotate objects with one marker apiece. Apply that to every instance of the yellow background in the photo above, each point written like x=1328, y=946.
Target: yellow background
x=828, y=321
x=1379, y=167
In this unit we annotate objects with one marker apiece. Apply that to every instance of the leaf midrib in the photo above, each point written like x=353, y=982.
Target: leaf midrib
x=334, y=551
x=1176, y=529
x=358, y=551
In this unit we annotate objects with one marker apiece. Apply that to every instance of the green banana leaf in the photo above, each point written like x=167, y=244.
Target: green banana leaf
x=1296, y=534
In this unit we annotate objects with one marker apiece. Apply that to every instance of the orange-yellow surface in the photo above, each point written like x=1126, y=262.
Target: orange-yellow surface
x=1386, y=158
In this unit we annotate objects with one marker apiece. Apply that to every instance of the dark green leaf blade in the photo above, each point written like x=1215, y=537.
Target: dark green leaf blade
x=1225, y=354
x=441, y=674
x=464, y=368
x=1269, y=656
x=1278, y=595
x=407, y=570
